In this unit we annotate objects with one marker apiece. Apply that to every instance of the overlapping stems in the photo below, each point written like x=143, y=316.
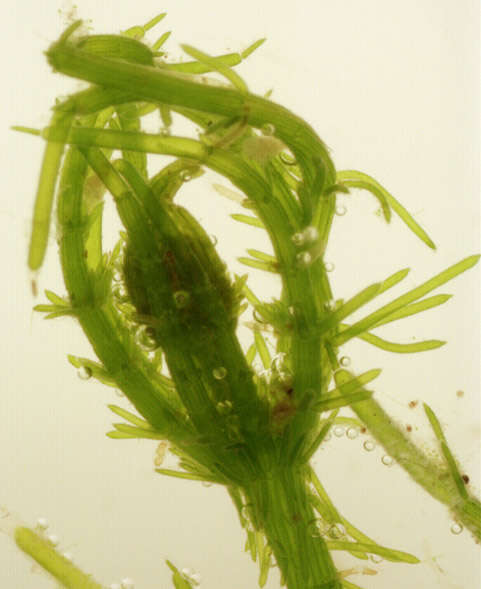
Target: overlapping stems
x=284, y=199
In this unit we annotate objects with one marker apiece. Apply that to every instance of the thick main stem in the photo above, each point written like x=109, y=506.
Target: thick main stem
x=279, y=506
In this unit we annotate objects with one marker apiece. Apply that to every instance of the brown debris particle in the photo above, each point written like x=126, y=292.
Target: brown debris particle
x=413, y=404
x=459, y=393
x=465, y=479
x=409, y=428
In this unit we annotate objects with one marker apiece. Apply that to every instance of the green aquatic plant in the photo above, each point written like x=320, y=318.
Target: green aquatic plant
x=161, y=310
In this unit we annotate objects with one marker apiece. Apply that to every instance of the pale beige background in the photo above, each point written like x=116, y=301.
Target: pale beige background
x=392, y=87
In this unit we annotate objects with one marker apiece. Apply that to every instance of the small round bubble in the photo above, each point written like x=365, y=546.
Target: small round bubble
x=42, y=523
x=181, y=299
x=387, y=460
x=456, y=528
x=338, y=431
x=84, y=372
x=369, y=445
x=341, y=210
x=185, y=176
x=287, y=158
x=219, y=373
x=304, y=259
x=376, y=558
x=315, y=527
x=268, y=129
x=298, y=239
x=53, y=539
x=352, y=433
x=311, y=233
x=329, y=266
x=345, y=361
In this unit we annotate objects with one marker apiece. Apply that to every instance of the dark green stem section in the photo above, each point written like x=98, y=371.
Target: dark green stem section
x=279, y=506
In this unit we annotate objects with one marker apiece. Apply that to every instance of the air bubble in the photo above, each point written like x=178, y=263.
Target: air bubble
x=42, y=524
x=207, y=484
x=291, y=310
x=387, y=460
x=84, y=372
x=376, y=558
x=185, y=176
x=338, y=431
x=268, y=129
x=298, y=239
x=214, y=240
x=304, y=259
x=127, y=583
x=336, y=531
x=224, y=407
x=181, y=299
x=287, y=158
x=219, y=373
x=369, y=445
x=53, y=539
x=191, y=576
x=456, y=528
x=345, y=361
x=352, y=433
x=311, y=233
x=278, y=361
x=341, y=210
x=329, y=266
x=144, y=338
x=315, y=527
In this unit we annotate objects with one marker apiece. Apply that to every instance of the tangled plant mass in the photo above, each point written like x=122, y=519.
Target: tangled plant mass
x=161, y=309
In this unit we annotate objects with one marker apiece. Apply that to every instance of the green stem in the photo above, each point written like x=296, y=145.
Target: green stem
x=279, y=506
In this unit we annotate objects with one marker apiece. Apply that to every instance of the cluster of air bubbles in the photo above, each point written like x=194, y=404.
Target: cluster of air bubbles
x=219, y=373
x=181, y=299
x=224, y=407
x=309, y=235
x=369, y=445
x=345, y=361
x=287, y=158
x=339, y=431
x=341, y=210
x=84, y=373
x=191, y=576
x=456, y=528
x=268, y=129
